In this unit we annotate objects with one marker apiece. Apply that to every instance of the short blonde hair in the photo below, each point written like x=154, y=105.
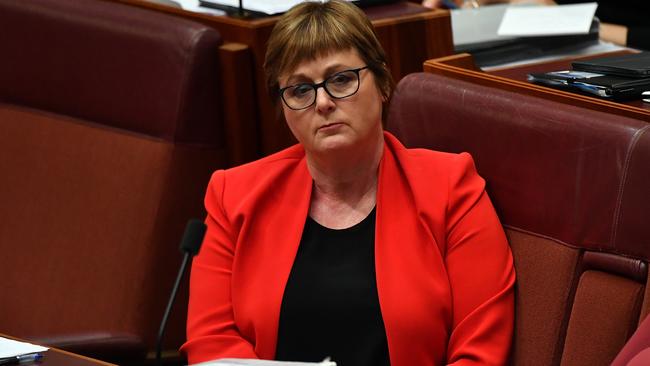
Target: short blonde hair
x=312, y=29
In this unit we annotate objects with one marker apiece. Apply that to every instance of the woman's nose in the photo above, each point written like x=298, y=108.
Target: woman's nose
x=324, y=102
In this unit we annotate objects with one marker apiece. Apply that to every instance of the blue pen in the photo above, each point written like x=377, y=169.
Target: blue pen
x=32, y=357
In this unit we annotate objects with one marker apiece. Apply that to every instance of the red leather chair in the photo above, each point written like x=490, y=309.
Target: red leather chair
x=571, y=189
x=110, y=126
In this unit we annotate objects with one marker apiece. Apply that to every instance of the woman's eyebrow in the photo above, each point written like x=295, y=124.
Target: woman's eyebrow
x=329, y=71
x=294, y=78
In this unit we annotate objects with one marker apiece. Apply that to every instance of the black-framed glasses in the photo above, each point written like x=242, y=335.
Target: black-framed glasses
x=340, y=85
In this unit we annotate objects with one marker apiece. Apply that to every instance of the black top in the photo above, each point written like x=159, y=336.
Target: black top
x=330, y=305
x=633, y=15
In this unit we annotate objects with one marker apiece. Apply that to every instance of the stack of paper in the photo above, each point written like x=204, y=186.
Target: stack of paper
x=530, y=21
x=10, y=348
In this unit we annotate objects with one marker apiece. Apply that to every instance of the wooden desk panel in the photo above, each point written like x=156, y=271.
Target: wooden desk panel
x=409, y=33
x=462, y=67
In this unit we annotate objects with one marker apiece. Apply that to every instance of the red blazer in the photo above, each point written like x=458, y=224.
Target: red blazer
x=444, y=269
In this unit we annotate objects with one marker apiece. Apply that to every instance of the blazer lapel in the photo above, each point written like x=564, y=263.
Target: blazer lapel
x=407, y=266
x=284, y=220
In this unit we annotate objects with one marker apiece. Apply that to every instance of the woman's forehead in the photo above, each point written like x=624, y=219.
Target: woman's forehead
x=323, y=62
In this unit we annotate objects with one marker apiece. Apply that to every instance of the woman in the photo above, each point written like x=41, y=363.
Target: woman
x=348, y=245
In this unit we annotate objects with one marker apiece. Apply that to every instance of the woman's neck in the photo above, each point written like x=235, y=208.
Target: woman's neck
x=345, y=186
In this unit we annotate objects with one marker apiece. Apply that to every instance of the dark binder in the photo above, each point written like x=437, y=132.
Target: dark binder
x=235, y=11
x=631, y=65
x=604, y=86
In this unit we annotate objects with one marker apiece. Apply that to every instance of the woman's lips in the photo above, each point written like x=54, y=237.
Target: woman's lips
x=330, y=126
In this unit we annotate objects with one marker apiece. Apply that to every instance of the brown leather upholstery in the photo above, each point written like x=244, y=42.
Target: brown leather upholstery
x=570, y=187
x=109, y=130
x=112, y=64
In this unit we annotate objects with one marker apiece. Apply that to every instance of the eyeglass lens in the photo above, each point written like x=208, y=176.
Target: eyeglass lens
x=339, y=85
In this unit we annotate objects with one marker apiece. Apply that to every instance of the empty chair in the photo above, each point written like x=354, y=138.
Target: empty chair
x=110, y=126
x=571, y=189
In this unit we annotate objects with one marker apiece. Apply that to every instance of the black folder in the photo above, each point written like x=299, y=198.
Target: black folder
x=630, y=65
x=604, y=86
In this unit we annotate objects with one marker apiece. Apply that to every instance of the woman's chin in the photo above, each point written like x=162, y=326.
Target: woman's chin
x=334, y=143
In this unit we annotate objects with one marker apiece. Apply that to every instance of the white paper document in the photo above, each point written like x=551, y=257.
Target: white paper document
x=547, y=20
x=193, y=5
x=11, y=348
x=250, y=362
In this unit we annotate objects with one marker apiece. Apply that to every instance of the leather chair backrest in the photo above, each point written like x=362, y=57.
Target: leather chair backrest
x=110, y=128
x=570, y=187
x=112, y=64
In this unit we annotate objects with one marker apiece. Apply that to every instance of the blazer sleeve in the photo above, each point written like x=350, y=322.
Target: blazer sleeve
x=481, y=273
x=211, y=329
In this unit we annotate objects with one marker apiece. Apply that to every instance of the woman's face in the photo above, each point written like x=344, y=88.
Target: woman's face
x=334, y=124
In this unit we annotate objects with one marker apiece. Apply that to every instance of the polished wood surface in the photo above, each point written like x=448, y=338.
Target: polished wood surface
x=409, y=33
x=55, y=357
x=514, y=79
x=238, y=93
